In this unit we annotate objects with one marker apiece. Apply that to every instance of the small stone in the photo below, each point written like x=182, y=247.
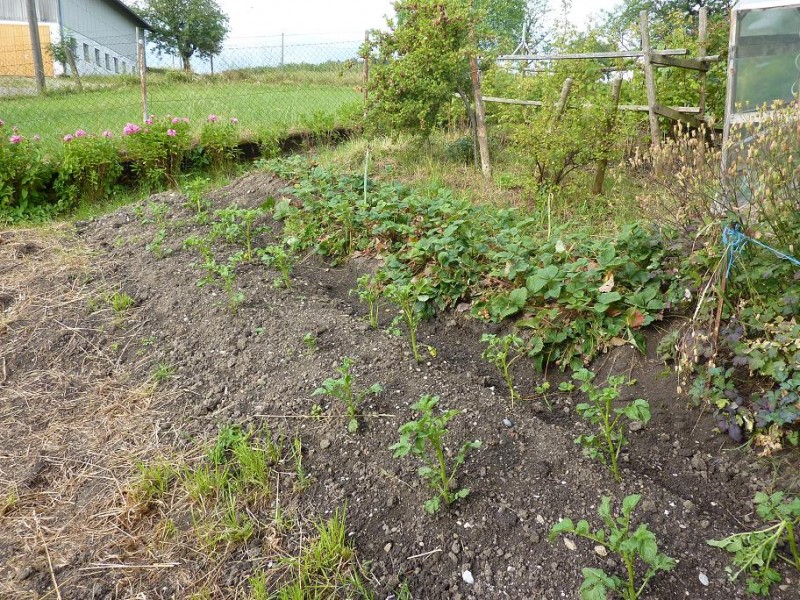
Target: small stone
x=467, y=577
x=601, y=551
x=508, y=423
x=570, y=544
x=456, y=548
x=388, y=547
x=688, y=505
x=703, y=579
x=648, y=506
x=635, y=425
x=705, y=524
x=324, y=443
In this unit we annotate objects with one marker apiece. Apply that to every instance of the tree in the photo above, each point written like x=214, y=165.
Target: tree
x=423, y=59
x=186, y=28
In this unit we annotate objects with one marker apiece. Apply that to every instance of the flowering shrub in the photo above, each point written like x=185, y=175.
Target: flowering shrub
x=89, y=169
x=219, y=141
x=23, y=175
x=157, y=149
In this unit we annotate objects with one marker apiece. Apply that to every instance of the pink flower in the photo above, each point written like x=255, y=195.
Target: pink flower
x=171, y=132
x=131, y=128
x=176, y=120
x=37, y=137
x=2, y=122
x=107, y=134
x=149, y=121
x=15, y=139
x=69, y=137
x=80, y=133
x=213, y=118
x=234, y=120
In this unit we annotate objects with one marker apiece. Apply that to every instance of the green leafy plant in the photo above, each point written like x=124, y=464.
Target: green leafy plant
x=609, y=421
x=303, y=478
x=193, y=189
x=119, y=301
x=156, y=246
x=424, y=438
x=163, y=372
x=310, y=342
x=639, y=546
x=410, y=298
x=369, y=290
x=280, y=258
x=157, y=149
x=23, y=178
x=503, y=352
x=341, y=388
x=219, y=142
x=237, y=225
x=755, y=552
x=88, y=170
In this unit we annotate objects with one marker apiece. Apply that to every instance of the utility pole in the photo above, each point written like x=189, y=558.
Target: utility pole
x=36, y=45
x=283, y=48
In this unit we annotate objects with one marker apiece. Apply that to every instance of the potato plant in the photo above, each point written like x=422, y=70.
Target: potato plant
x=424, y=438
x=503, y=352
x=608, y=421
x=632, y=547
x=237, y=226
x=341, y=388
x=369, y=291
x=410, y=298
x=756, y=552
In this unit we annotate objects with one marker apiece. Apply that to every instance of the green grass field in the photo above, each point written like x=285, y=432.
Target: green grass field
x=261, y=101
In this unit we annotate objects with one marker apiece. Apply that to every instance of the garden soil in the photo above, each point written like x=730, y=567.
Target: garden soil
x=79, y=410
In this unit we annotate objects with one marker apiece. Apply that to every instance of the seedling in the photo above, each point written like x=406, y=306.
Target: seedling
x=609, y=422
x=163, y=372
x=632, y=547
x=755, y=552
x=411, y=299
x=224, y=273
x=194, y=194
x=503, y=352
x=277, y=257
x=342, y=389
x=303, y=478
x=156, y=247
x=119, y=301
x=423, y=438
x=369, y=291
x=310, y=342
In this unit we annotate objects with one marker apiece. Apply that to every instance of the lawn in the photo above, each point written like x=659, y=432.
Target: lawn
x=260, y=102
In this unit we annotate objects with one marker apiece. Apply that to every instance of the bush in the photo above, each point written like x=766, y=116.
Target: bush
x=23, y=176
x=219, y=142
x=89, y=170
x=157, y=149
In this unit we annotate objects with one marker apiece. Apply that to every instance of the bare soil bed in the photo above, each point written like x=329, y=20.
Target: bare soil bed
x=78, y=410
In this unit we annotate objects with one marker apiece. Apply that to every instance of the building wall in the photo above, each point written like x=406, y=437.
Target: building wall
x=100, y=22
x=16, y=57
x=15, y=11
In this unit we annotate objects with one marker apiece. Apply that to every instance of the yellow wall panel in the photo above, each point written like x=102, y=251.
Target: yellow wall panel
x=16, y=57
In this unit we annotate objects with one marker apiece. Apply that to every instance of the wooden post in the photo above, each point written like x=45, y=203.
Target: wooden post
x=702, y=49
x=649, y=79
x=602, y=164
x=36, y=45
x=561, y=107
x=72, y=66
x=211, y=59
x=283, y=48
x=480, y=117
x=142, y=70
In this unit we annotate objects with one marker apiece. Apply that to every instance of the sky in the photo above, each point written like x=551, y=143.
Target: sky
x=337, y=19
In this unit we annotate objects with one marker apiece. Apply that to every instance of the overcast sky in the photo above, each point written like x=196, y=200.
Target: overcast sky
x=329, y=20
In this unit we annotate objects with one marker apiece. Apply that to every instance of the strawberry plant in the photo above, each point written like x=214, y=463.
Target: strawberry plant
x=632, y=547
x=424, y=438
x=756, y=552
x=503, y=352
x=410, y=298
x=341, y=388
x=608, y=421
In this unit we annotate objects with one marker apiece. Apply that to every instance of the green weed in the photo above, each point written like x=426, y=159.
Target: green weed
x=163, y=372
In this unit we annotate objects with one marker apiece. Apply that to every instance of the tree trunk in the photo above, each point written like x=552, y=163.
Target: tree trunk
x=187, y=66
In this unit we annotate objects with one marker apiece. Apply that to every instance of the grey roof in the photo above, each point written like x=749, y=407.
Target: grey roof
x=128, y=11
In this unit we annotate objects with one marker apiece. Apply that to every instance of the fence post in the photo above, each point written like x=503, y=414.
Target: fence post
x=561, y=107
x=649, y=78
x=480, y=117
x=702, y=48
x=142, y=69
x=283, y=48
x=36, y=45
x=602, y=164
x=72, y=66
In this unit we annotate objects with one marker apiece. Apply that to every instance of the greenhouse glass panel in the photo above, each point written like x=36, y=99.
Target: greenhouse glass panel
x=767, y=57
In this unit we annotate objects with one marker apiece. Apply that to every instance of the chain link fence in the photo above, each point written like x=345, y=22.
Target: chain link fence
x=269, y=84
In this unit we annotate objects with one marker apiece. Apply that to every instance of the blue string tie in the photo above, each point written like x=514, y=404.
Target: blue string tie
x=734, y=240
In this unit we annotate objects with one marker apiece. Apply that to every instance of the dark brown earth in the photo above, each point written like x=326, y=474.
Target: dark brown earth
x=252, y=367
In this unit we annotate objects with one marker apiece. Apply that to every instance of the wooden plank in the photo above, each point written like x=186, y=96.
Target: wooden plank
x=701, y=51
x=592, y=55
x=682, y=63
x=691, y=110
x=666, y=111
x=513, y=101
x=649, y=78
